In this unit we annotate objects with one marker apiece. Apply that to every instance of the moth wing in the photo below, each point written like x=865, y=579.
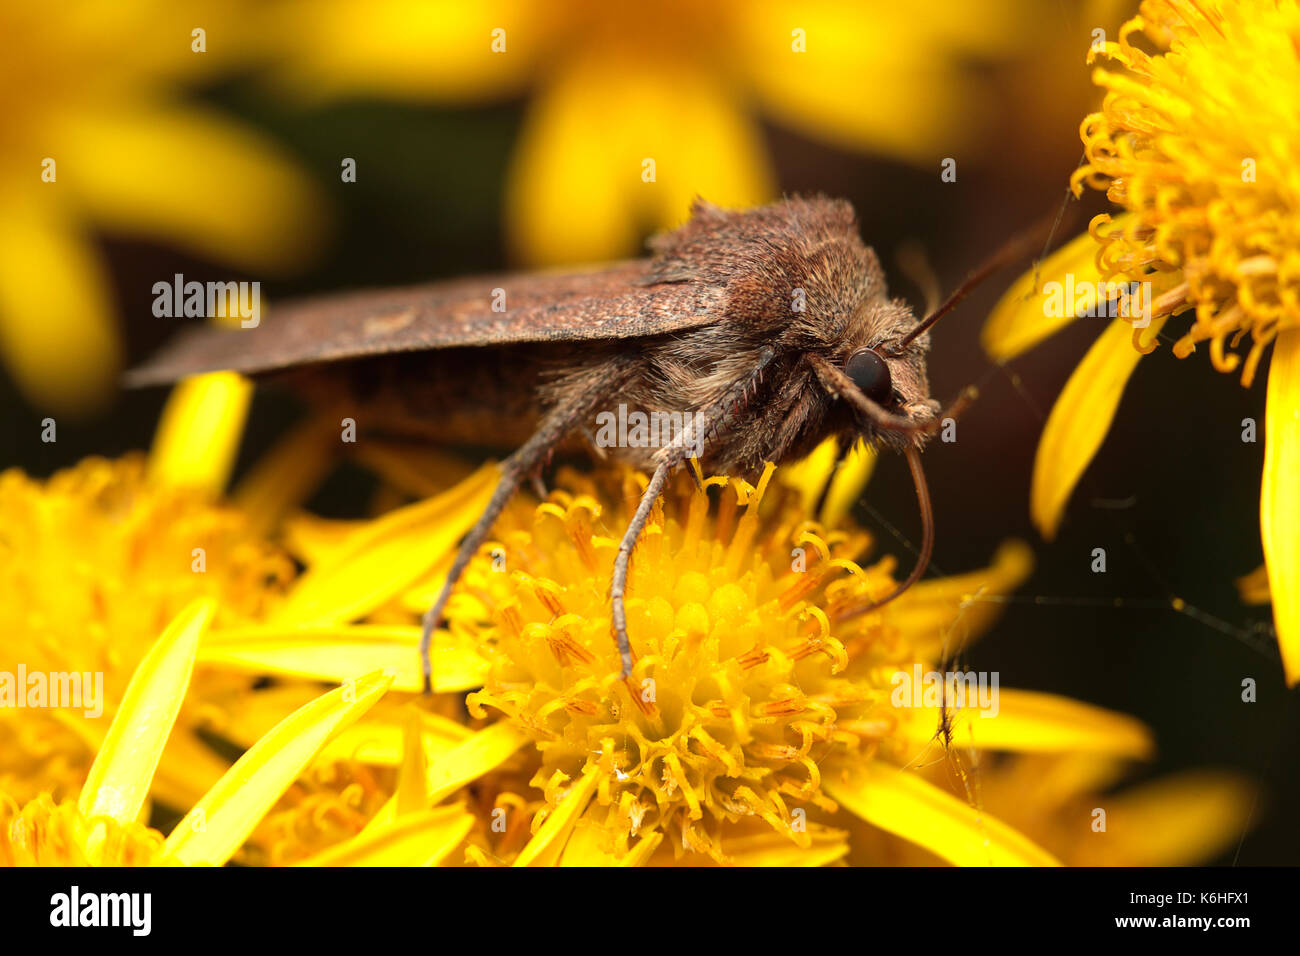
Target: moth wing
x=627, y=300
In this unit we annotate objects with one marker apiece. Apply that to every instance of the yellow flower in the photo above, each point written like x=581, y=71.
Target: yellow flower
x=615, y=86
x=758, y=714
x=1197, y=143
x=329, y=804
x=95, y=136
x=93, y=563
x=103, y=827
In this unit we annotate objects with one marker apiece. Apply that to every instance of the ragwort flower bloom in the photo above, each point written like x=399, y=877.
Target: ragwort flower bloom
x=103, y=826
x=1196, y=143
x=93, y=563
x=758, y=715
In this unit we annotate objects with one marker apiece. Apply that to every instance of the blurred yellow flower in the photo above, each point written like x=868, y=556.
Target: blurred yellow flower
x=1197, y=143
x=96, y=137
x=617, y=89
x=1066, y=803
x=1182, y=819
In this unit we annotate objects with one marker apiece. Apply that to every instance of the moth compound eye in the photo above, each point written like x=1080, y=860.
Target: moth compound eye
x=870, y=373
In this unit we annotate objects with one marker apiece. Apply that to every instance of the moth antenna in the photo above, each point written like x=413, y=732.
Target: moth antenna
x=1015, y=248
x=927, y=540
x=915, y=264
x=530, y=456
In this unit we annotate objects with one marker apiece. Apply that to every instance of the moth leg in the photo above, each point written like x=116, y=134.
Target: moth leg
x=531, y=455
x=669, y=458
x=511, y=472
x=618, y=586
x=539, y=485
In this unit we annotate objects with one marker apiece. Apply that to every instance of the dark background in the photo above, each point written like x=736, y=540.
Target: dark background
x=428, y=204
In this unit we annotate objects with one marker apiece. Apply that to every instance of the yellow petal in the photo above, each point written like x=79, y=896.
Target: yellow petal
x=199, y=432
x=1279, y=498
x=219, y=823
x=412, y=794
x=380, y=741
x=1080, y=419
x=585, y=847
x=1181, y=820
x=58, y=334
x=809, y=475
x=287, y=475
x=150, y=172
x=1253, y=588
x=926, y=103
x=902, y=803
x=415, y=469
x=1021, y=318
x=827, y=846
x=465, y=763
x=332, y=653
x=124, y=767
x=425, y=49
x=639, y=855
x=314, y=540
x=424, y=838
x=575, y=191
x=847, y=483
x=251, y=715
x=387, y=556
x=1047, y=782
x=376, y=740
x=547, y=844
x=411, y=774
x=1031, y=722
x=943, y=615
x=188, y=766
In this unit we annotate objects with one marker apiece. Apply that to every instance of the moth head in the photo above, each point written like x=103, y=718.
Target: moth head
x=893, y=379
x=880, y=381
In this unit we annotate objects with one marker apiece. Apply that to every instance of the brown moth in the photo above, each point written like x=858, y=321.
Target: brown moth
x=765, y=331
